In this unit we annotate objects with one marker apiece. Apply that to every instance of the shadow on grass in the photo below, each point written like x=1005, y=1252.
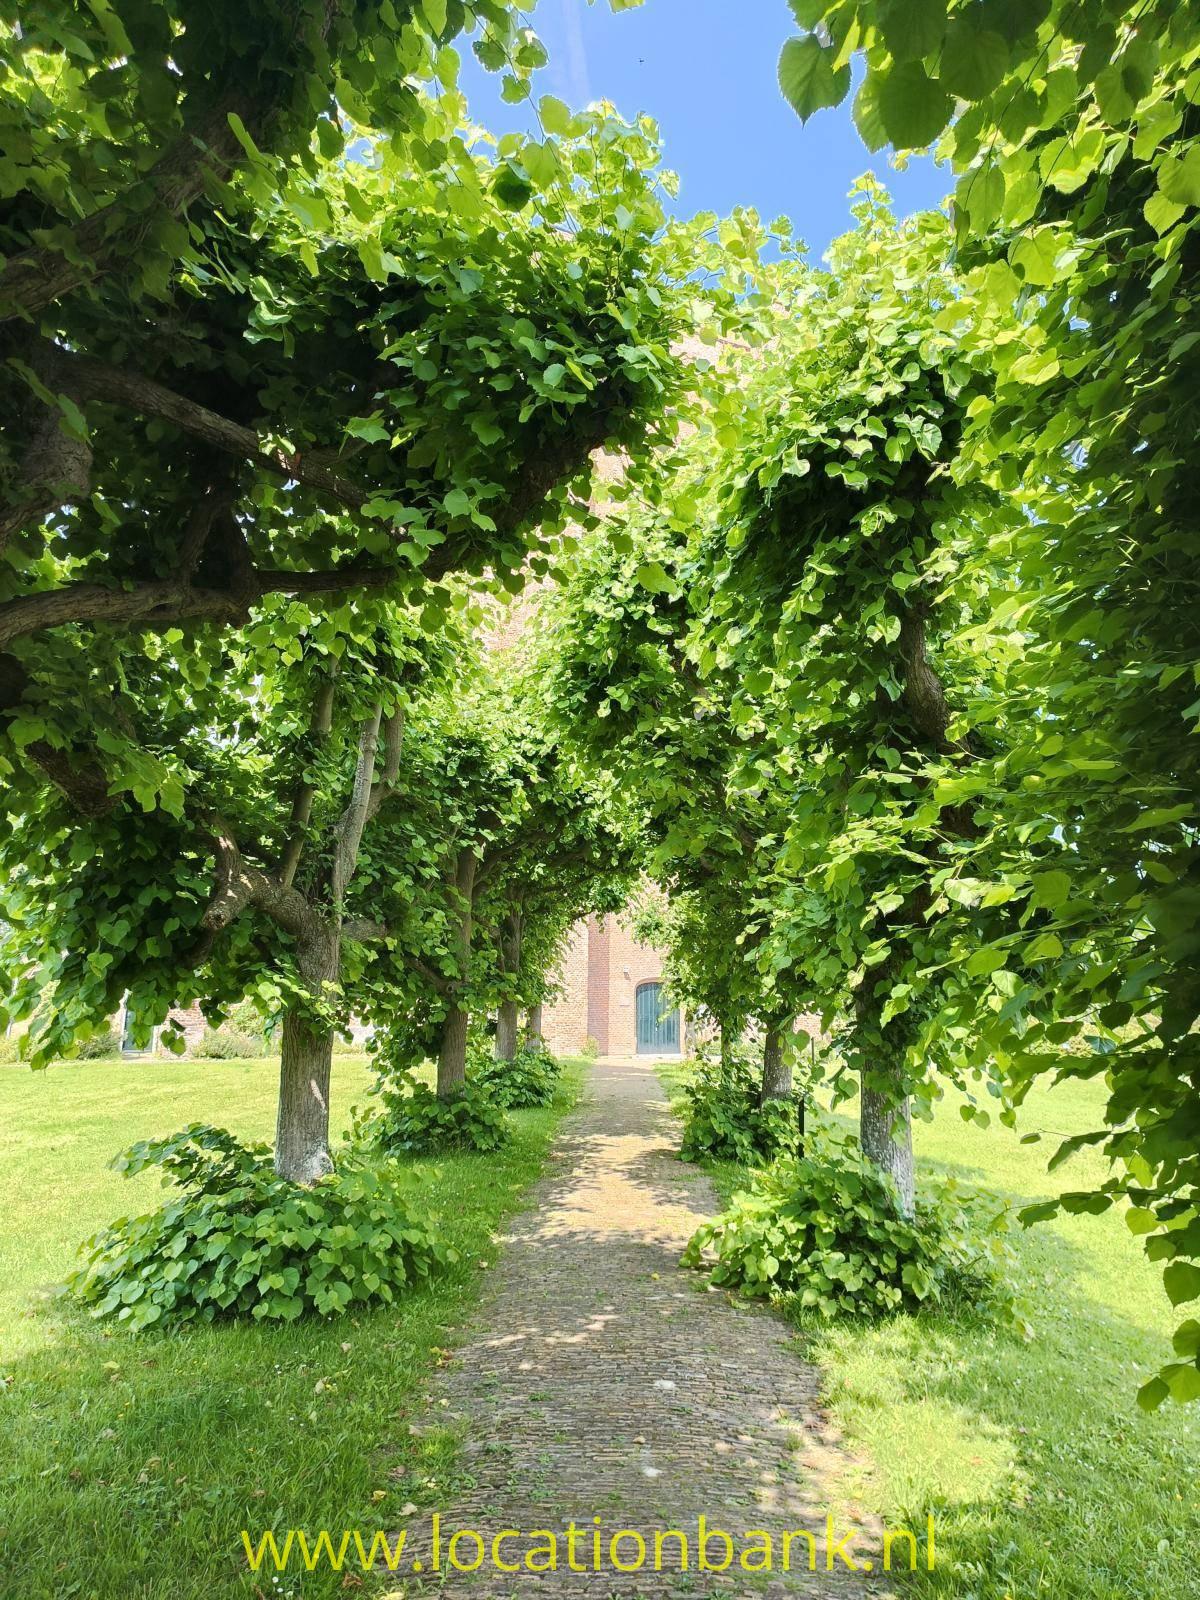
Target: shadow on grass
x=132, y=1463
x=1043, y=1476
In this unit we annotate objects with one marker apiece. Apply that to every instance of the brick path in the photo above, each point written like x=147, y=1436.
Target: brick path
x=603, y=1381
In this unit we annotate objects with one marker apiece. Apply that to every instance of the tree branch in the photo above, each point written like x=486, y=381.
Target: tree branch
x=164, y=603
x=435, y=980
x=207, y=150
x=302, y=804
x=354, y=818
x=55, y=469
x=393, y=738
x=240, y=885
x=924, y=695
x=84, y=379
x=363, y=930
x=81, y=778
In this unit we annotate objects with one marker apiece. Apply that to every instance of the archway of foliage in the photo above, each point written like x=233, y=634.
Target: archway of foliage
x=124, y=123
x=229, y=679
x=507, y=843
x=787, y=656
x=360, y=384
x=1078, y=204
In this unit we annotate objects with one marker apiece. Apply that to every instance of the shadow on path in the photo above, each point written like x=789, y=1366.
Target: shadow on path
x=601, y=1381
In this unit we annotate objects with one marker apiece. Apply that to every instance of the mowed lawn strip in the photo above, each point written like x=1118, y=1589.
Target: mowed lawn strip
x=132, y=1463
x=1045, y=1480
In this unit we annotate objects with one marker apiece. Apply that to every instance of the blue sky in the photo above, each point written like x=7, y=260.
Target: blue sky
x=706, y=70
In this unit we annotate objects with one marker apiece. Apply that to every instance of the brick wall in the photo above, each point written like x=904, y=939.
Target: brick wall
x=565, y=1020
x=631, y=964
x=599, y=977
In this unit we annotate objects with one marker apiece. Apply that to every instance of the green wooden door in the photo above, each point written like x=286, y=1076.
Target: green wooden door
x=657, y=1022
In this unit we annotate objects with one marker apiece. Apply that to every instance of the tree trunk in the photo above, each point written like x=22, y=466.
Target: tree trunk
x=452, y=1056
x=306, y=1062
x=302, y=1128
x=508, y=1019
x=533, y=1025
x=885, y=1130
x=507, y=1031
x=777, y=1068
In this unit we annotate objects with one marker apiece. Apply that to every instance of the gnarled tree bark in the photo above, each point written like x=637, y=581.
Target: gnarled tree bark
x=777, y=1066
x=508, y=1029
x=533, y=1025
x=302, y=1153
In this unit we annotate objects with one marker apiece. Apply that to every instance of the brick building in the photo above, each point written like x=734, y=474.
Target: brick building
x=611, y=993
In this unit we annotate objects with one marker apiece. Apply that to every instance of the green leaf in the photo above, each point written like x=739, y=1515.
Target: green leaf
x=809, y=12
x=1152, y=1394
x=1035, y=255
x=1112, y=95
x=1139, y=1220
x=1162, y=214
x=808, y=77
x=1050, y=889
x=243, y=137
x=1035, y=366
x=984, y=962
x=973, y=61
x=1181, y=1280
x=435, y=16
x=370, y=253
x=1179, y=178
x=511, y=189
x=652, y=575
x=1183, y=1380
x=555, y=114
x=369, y=428
x=913, y=107
x=981, y=194
x=866, y=115
x=912, y=29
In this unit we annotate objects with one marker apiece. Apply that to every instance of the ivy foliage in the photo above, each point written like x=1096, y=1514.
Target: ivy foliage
x=725, y=1118
x=823, y=1231
x=531, y=1078
x=240, y=1241
x=410, y=1118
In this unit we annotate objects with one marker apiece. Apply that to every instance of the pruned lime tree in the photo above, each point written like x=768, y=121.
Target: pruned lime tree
x=793, y=677
x=358, y=385
x=509, y=842
x=629, y=696
x=1073, y=132
x=838, y=581
x=394, y=380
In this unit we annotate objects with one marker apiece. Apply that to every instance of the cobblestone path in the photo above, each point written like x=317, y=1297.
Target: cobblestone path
x=601, y=1381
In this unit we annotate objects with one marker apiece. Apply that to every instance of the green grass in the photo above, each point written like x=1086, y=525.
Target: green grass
x=1045, y=1480
x=131, y=1464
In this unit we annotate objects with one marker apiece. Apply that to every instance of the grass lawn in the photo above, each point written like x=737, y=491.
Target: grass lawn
x=1045, y=1480
x=131, y=1464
